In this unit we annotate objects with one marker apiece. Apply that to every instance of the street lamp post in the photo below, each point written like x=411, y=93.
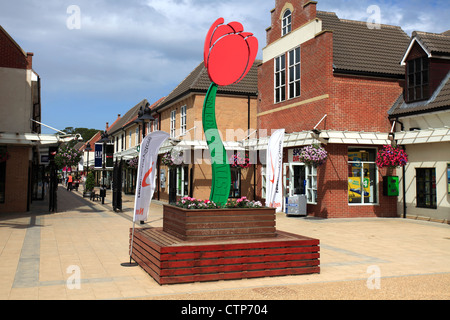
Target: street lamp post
x=143, y=115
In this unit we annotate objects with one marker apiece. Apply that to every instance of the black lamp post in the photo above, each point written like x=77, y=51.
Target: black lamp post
x=143, y=115
x=104, y=140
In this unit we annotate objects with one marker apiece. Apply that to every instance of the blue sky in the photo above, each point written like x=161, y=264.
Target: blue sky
x=127, y=51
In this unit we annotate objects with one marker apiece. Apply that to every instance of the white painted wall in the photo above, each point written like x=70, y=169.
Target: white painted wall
x=16, y=100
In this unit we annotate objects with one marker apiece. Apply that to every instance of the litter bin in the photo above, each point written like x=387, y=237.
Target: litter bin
x=296, y=205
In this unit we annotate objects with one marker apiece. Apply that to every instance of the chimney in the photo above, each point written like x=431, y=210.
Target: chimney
x=107, y=126
x=30, y=60
x=310, y=9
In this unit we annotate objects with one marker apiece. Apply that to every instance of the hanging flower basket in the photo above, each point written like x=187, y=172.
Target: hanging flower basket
x=236, y=161
x=133, y=163
x=172, y=158
x=314, y=155
x=67, y=157
x=391, y=157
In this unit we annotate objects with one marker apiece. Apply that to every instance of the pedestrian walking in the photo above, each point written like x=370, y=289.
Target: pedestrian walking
x=69, y=182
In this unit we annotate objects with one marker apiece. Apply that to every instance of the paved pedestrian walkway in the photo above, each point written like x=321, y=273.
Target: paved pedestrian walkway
x=81, y=252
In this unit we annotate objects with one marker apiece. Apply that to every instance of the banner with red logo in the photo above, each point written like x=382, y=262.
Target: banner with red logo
x=146, y=178
x=274, y=166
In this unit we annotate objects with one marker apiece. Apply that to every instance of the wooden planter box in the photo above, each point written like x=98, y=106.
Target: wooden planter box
x=233, y=223
x=170, y=260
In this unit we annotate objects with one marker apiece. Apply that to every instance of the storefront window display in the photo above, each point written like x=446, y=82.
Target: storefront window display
x=362, y=176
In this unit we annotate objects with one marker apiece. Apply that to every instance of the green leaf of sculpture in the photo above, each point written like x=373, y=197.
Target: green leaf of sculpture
x=221, y=174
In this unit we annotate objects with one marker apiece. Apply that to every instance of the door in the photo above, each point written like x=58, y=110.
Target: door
x=172, y=185
x=294, y=177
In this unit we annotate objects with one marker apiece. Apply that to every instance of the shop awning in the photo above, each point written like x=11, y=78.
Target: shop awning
x=355, y=137
x=423, y=136
x=34, y=139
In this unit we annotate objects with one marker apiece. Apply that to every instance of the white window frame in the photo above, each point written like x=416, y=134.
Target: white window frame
x=311, y=184
x=173, y=121
x=180, y=177
x=375, y=187
x=183, y=117
x=280, y=85
x=129, y=138
x=286, y=22
x=263, y=182
x=310, y=177
x=294, y=66
x=155, y=124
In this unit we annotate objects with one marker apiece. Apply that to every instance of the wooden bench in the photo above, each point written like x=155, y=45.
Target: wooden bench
x=95, y=196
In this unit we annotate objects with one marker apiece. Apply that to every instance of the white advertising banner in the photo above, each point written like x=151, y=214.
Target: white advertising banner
x=274, y=167
x=146, y=178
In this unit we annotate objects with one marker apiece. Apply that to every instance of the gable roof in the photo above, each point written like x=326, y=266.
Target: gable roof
x=127, y=117
x=92, y=141
x=432, y=43
x=131, y=115
x=359, y=49
x=198, y=81
x=440, y=100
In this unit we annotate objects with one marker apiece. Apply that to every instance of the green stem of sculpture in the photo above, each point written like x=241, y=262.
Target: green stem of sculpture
x=221, y=174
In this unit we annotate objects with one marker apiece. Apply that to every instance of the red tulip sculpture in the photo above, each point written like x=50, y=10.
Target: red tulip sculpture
x=229, y=54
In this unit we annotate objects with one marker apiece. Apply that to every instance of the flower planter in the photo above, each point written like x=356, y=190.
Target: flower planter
x=213, y=224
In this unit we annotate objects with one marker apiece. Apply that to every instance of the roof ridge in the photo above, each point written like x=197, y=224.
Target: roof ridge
x=365, y=23
x=355, y=21
x=431, y=34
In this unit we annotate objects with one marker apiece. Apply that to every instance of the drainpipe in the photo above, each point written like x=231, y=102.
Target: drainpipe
x=402, y=127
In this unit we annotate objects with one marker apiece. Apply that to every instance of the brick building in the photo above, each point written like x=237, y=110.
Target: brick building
x=24, y=151
x=330, y=81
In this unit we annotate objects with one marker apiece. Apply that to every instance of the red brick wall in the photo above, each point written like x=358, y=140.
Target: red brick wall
x=11, y=56
x=332, y=193
x=361, y=104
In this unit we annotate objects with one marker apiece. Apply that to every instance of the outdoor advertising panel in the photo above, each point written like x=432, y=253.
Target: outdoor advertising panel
x=98, y=156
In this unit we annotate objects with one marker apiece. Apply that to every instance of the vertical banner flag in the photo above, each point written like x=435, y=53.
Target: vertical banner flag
x=98, y=162
x=146, y=177
x=274, y=164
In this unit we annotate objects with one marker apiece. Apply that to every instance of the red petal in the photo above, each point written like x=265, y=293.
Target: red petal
x=245, y=34
x=237, y=26
x=208, y=42
x=252, y=43
x=221, y=31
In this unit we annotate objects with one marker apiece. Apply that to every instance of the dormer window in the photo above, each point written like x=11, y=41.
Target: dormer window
x=417, y=79
x=286, y=22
